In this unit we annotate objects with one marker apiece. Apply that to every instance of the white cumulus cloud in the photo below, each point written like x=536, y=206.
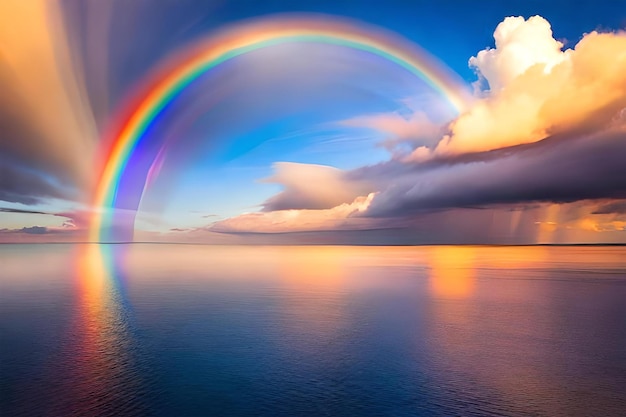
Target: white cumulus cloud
x=537, y=90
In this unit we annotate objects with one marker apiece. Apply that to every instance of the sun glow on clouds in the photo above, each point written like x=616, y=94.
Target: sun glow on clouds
x=341, y=217
x=48, y=120
x=520, y=44
x=312, y=187
x=532, y=90
x=538, y=90
x=537, y=150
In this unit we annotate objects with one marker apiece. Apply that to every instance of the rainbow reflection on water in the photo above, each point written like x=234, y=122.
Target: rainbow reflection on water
x=194, y=330
x=106, y=370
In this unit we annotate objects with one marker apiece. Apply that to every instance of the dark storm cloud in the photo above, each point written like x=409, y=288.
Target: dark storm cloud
x=615, y=207
x=72, y=218
x=558, y=170
x=19, y=185
x=11, y=210
x=20, y=147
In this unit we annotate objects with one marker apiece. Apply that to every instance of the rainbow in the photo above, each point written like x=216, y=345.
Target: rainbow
x=183, y=69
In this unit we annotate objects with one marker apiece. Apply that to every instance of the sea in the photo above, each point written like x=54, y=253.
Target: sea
x=200, y=330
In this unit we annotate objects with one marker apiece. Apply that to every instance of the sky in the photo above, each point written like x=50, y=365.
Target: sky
x=317, y=143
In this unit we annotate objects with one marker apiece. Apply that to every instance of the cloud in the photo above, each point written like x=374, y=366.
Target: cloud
x=551, y=128
x=45, y=119
x=520, y=44
x=614, y=207
x=537, y=90
x=309, y=186
x=556, y=170
x=34, y=230
x=548, y=129
x=19, y=184
x=71, y=227
x=73, y=220
x=66, y=228
x=341, y=217
x=507, y=224
x=413, y=130
x=20, y=211
x=570, y=222
x=549, y=132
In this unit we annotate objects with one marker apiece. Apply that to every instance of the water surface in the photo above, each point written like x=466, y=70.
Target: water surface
x=184, y=330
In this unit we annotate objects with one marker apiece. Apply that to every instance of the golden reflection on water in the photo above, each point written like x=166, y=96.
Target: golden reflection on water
x=511, y=257
x=313, y=281
x=311, y=267
x=452, y=272
x=479, y=328
x=490, y=326
x=102, y=340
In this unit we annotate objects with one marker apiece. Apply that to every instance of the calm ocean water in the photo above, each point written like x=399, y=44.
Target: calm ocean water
x=184, y=330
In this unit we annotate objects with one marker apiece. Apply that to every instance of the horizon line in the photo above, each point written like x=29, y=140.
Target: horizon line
x=314, y=244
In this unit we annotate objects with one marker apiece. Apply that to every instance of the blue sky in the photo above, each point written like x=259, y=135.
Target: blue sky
x=452, y=30
x=246, y=141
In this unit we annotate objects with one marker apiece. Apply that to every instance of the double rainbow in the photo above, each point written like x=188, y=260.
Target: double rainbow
x=181, y=72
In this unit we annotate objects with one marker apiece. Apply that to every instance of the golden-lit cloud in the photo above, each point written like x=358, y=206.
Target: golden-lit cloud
x=520, y=44
x=532, y=89
x=341, y=217
x=44, y=110
x=309, y=186
x=537, y=90
x=582, y=221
